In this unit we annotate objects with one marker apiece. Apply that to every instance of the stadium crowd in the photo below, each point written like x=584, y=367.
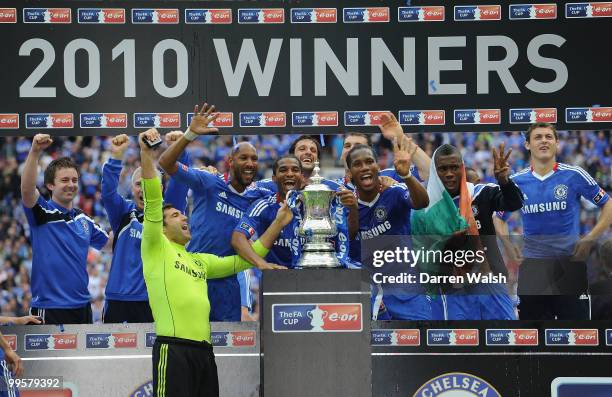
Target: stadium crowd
x=589, y=150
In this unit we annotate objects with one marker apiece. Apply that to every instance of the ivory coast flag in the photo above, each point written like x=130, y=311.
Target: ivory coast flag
x=433, y=226
x=441, y=217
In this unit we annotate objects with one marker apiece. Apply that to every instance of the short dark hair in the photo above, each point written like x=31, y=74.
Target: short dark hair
x=360, y=134
x=359, y=146
x=166, y=206
x=286, y=156
x=447, y=150
x=541, y=124
x=57, y=164
x=306, y=138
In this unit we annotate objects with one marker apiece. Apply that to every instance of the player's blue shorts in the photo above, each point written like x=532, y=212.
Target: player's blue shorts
x=480, y=302
x=224, y=297
x=408, y=307
x=438, y=307
x=5, y=375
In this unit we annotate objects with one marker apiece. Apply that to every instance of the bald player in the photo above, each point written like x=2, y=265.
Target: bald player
x=218, y=206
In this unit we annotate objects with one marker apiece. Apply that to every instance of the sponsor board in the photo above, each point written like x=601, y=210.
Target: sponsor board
x=157, y=120
x=263, y=119
x=532, y=11
x=261, y=15
x=533, y=115
x=363, y=117
x=314, y=15
x=101, y=15
x=50, y=341
x=208, y=16
x=314, y=119
x=452, y=337
x=588, y=10
x=9, y=121
x=160, y=16
x=224, y=119
x=103, y=120
x=365, y=15
x=317, y=317
x=571, y=337
x=478, y=13
x=47, y=15
x=588, y=115
x=49, y=120
x=511, y=337
x=477, y=116
x=420, y=14
x=115, y=340
x=8, y=15
x=422, y=117
x=396, y=337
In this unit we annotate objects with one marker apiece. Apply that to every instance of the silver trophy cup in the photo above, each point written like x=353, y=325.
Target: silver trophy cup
x=317, y=226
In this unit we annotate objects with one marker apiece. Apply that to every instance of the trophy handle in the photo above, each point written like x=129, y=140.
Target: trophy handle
x=309, y=314
x=324, y=314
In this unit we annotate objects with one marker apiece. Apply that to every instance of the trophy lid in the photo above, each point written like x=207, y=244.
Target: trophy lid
x=315, y=180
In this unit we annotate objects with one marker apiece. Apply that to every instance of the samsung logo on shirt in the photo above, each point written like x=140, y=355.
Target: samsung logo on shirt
x=228, y=210
x=545, y=207
x=375, y=231
x=135, y=234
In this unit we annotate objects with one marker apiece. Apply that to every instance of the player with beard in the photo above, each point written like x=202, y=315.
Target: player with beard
x=287, y=174
x=387, y=212
x=183, y=357
x=61, y=235
x=553, y=275
x=218, y=206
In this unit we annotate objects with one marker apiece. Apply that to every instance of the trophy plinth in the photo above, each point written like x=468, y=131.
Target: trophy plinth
x=317, y=226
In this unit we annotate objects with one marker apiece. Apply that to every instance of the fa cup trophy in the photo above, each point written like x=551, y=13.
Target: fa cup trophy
x=317, y=226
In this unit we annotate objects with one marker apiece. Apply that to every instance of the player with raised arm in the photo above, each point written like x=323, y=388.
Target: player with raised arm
x=553, y=277
x=387, y=212
x=176, y=280
x=126, y=293
x=480, y=301
x=218, y=206
x=59, y=281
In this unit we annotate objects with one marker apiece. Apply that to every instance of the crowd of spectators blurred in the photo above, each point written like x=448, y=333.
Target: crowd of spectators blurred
x=587, y=149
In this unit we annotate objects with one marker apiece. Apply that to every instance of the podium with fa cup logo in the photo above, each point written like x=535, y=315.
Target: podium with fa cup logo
x=315, y=333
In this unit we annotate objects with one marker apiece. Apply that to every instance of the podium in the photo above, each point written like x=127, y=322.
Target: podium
x=315, y=333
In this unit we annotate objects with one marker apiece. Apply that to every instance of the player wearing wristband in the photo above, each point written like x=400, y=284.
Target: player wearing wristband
x=183, y=360
x=553, y=277
x=218, y=206
x=126, y=293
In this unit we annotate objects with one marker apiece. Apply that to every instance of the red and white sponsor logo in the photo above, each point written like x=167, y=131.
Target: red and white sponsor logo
x=466, y=337
x=243, y=338
x=116, y=120
x=220, y=16
x=65, y=341
x=60, y=15
x=546, y=115
x=9, y=121
x=8, y=15
x=225, y=119
x=433, y=13
x=275, y=119
x=525, y=337
x=434, y=117
x=375, y=116
x=11, y=340
x=378, y=14
x=492, y=12
x=326, y=14
x=408, y=337
x=61, y=120
x=545, y=11
x=273, y=15
x=167, y=15
x=342, y=317
x=490, y=116
x=603, y=9
x=586, y=337
x=125, y=340
x=114, y=15
x=602, y=114
x=169, y=120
